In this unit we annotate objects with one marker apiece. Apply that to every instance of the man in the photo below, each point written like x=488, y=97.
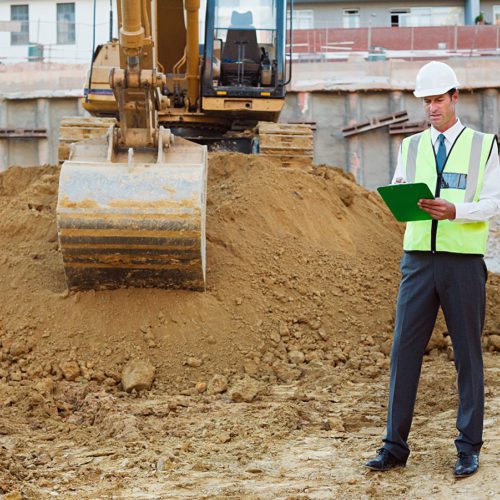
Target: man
x=443, y=265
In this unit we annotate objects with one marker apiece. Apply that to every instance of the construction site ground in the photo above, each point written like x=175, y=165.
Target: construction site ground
x=271, y=384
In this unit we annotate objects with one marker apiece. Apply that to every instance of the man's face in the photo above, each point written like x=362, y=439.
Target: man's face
x=440, y=110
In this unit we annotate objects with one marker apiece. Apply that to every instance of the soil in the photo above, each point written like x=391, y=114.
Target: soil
x=271, y=384
x=492, y=256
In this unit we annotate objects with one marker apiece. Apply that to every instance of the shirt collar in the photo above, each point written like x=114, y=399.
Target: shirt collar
x=451, y=134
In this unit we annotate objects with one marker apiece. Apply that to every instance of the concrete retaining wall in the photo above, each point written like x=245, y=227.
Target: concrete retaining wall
x=30, y=113
x=371, y=156
x=333, y=95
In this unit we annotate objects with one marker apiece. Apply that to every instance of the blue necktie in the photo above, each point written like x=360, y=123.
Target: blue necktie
x=441, y=153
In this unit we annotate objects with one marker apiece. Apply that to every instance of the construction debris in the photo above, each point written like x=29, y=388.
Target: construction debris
x=374, y=123
x=75, y=129
x=408, y=128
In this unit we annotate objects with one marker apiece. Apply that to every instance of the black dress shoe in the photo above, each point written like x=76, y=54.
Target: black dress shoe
x=384, y=461
x=467, y=464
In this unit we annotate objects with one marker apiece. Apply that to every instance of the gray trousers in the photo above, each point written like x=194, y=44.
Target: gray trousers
x=457, y=284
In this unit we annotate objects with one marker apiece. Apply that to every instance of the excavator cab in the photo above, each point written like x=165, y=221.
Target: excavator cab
x=244, y=57
x=240, y=55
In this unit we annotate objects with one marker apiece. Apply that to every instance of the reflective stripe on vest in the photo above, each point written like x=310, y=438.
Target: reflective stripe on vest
x=474, y=167
x=461, y=181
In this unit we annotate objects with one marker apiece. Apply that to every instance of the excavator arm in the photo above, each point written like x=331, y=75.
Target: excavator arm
x=135, y=85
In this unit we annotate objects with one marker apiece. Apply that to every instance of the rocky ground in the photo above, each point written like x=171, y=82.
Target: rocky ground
x=272, y=384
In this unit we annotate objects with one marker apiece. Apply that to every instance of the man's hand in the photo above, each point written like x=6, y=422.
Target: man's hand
x=438, y=209
x=400, y=180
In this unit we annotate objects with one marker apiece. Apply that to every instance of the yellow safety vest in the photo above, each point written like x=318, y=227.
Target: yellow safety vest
x=461, y=181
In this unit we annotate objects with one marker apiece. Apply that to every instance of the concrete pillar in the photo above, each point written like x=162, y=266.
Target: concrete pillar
x=353, y=161
x=395, y=143
x=396, y=103
x=4, y=143
x=490, y=122
x=472, y=10
x=42, y=121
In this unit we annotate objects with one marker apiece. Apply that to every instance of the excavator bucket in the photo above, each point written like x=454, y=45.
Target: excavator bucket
x=135, y=219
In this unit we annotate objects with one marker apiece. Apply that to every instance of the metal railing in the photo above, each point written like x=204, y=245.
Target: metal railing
x=402, y=42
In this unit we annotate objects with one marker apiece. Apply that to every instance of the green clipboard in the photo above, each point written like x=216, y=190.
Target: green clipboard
x=402, y=200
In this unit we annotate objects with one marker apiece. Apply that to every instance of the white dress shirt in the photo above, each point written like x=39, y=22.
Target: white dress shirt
x=488, y=204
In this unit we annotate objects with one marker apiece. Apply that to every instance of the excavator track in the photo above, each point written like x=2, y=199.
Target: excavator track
x=78, y=128
x=291, y=143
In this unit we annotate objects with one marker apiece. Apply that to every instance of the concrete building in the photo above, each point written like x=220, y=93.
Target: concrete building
x=314, y=14
x=59, y=32
x=333, y=95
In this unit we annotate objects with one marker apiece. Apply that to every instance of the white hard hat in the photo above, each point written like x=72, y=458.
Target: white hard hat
x=435, y=78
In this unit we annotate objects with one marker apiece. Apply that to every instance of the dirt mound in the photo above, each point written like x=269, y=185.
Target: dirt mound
x=297, y=262
x=302, y=274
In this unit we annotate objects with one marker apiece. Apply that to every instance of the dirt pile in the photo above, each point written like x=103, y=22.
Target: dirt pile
x=299, y=265
x=302, y=274
x=290, y=336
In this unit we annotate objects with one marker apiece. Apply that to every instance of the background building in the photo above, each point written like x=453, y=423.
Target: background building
x=63, y=31
x=55, y=31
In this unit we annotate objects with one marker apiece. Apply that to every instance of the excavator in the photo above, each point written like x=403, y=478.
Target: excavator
x=133, y=184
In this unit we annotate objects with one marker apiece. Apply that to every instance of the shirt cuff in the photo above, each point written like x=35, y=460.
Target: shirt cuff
x=460, y=211
x=464, y=214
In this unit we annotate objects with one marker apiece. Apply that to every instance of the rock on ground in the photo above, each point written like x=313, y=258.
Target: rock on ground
x=70, y=370
x=138, y=375
x=245, y=390
x=217, y=385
